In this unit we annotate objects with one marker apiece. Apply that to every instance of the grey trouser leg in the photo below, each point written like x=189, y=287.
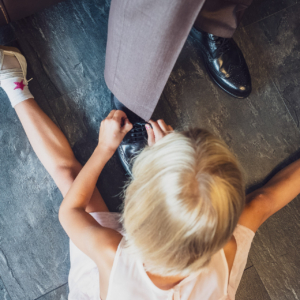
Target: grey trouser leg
x=144, y=40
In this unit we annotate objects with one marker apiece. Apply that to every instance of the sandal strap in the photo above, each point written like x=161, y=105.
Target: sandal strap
x=10, y=73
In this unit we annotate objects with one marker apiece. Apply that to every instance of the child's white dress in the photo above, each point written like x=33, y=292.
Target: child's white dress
x=129, y=281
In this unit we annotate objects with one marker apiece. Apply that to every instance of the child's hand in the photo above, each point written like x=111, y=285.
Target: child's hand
x=158, y=131
x=113, y=129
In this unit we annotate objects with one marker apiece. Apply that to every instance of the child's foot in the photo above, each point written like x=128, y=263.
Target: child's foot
x=13, y=70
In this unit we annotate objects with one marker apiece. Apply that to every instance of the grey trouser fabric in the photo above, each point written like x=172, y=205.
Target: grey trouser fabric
x=144, y=40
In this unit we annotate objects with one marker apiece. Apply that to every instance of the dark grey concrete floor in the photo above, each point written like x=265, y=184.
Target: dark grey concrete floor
x=65, y=49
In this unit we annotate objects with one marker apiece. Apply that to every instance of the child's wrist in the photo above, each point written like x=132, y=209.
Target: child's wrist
x=104, y=151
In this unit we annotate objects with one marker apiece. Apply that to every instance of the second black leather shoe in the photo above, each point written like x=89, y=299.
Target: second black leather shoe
x=134, y=141
x=225, y=63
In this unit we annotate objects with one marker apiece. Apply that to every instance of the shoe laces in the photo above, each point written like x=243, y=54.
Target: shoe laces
x=138, y=133
x=221, y=43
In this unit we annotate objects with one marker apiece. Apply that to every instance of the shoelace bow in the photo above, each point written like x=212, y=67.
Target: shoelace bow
x=222, y=44
x=138, y=133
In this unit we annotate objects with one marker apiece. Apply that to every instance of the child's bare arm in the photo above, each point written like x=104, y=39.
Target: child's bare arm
x=266, y=201
x=82, y=229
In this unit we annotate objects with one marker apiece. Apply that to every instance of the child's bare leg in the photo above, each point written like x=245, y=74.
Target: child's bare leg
x=273, y=196
x=53, y=150
x=47, y=140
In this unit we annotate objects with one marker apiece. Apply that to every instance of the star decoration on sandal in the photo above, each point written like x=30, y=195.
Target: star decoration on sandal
x=19, y=85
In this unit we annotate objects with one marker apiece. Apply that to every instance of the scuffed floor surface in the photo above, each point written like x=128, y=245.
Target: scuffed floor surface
x=65, y=49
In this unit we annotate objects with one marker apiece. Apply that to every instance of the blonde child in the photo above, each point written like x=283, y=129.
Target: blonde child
x=185, y=231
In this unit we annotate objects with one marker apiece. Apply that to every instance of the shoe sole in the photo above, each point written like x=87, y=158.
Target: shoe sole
x=13, y=49
x=216, y=82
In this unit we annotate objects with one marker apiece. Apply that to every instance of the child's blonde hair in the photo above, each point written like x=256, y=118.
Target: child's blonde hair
x=183, y=203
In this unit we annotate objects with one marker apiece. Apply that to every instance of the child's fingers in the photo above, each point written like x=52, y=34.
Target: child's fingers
x=162, y=125
x=127, y=126
x=119, y=115
x=110, y=115
x=151, y=137
x=157, y=130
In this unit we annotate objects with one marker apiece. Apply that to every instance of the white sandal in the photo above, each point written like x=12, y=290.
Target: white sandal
x=14, y=81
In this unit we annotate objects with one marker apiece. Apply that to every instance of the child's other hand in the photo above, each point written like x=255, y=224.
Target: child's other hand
x=158, y=131
x=113, y=129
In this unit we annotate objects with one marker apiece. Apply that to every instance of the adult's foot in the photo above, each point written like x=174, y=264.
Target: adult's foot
x=225, y=63
x=134, y=141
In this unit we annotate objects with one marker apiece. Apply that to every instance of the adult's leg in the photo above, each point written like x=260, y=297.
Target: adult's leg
x=53, y=150
x=221, y=17
x=144, y=41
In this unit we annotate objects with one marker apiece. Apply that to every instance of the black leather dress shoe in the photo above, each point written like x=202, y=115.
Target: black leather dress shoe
x=134, y=141
x=225, y=63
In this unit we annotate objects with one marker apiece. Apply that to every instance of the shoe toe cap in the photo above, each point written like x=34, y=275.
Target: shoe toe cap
x=240, y=86
x=237, y=84
x=244, y=91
